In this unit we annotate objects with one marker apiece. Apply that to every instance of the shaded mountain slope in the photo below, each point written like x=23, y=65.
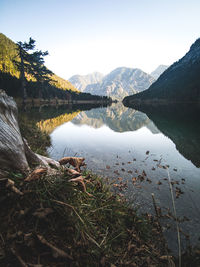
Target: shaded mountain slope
x=179, y=83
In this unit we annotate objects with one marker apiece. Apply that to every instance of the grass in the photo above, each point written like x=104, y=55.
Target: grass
x=97, y=230
x=37, y=140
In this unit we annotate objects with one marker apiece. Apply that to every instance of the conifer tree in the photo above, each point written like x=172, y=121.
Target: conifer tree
x=23, y=65
x=39, y=71
x=33, y=64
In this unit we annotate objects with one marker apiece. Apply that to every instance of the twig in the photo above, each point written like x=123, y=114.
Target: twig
x=156, y=210
x=65, y=204
x=177, y=224
x=104, y=238
x=21, y=261
x=56, y=251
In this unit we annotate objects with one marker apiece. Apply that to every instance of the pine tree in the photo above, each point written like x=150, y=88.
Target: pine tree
x=24, y=65
x=39, y=71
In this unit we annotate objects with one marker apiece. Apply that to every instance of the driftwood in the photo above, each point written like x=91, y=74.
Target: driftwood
x=15, y=153
x=12, y=149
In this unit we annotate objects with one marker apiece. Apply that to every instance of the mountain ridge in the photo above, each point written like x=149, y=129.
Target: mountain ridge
x=81, y=81
x=179, y=83
x=158, y=71
x=119, y=83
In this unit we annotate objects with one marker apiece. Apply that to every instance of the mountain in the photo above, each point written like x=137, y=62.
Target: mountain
x=116, y=117
x=81, y=81
x=8, y=52
x=158, y=71
x=121, y=82
x=179, y=83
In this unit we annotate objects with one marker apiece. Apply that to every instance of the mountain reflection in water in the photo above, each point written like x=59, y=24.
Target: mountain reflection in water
x=181, y=123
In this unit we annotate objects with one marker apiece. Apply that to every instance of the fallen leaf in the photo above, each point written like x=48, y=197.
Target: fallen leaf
x=36, y=174
x=134, y=179
x=74, y=161
x=147, y=153
x=72, y=172
x=144, y=173
x=148, y=180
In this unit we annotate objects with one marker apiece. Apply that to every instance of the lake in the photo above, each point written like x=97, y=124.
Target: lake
x=142, y=149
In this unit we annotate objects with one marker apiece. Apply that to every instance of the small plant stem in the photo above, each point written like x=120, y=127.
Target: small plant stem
x=177, y=224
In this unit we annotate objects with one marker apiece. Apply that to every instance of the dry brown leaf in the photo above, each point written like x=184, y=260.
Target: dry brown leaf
x=36, y=174
x=72, y=172
x=80, y=180
x=107, y=167
x=10, y=184
x=144, y=173
x=74, y=161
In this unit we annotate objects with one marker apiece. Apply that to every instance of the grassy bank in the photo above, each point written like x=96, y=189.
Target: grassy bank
x=55, y=223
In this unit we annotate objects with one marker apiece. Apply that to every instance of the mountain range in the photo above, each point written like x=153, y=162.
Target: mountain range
x=81, y=81
x=116, y=117
x=178, y=83
x=117, y=84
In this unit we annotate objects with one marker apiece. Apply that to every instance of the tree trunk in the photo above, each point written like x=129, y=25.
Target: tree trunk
x=22, y=77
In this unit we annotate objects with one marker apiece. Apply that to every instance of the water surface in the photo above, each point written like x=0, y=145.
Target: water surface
x=126, y=143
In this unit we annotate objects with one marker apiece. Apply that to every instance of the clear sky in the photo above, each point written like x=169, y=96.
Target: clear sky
x=83, y=36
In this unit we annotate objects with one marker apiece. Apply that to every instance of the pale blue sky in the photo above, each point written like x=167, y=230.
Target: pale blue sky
x=100, y=35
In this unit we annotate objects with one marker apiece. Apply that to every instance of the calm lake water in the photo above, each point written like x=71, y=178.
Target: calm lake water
x=122, y=142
